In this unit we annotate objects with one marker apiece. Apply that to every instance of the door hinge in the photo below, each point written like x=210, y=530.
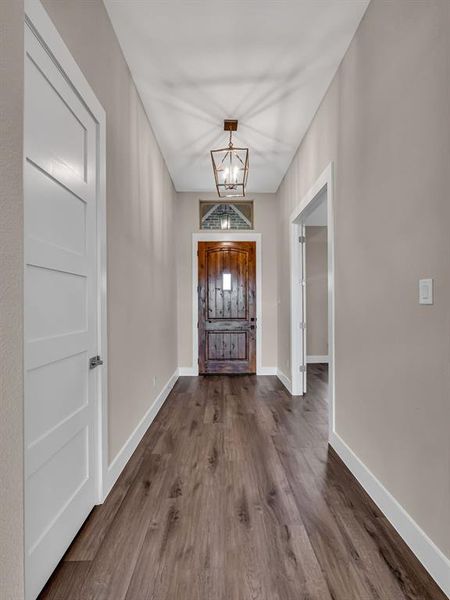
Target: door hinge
x=95, y=361
x=301, y=239
x=303, y=325
x=302, y=369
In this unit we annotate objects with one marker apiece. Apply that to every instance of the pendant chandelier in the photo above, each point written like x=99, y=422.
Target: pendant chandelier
x=230, y=166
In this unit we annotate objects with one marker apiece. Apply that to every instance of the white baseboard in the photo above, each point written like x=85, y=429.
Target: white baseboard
x=431, y=557
x=123, y=456
x=317, y=358
x=187, y=372
x=285, y=380
x=267, y=371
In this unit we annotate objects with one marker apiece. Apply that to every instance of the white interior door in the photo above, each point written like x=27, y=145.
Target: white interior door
x=60, y=313
x=298, y=309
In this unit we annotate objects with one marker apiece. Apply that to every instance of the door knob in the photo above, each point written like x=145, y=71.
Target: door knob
x=95, y=361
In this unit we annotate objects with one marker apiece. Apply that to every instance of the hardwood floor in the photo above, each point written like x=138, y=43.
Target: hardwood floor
x=233, y=494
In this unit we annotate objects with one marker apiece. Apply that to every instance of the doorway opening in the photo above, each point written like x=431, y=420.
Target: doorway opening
x=312, y=286
x=316, y=280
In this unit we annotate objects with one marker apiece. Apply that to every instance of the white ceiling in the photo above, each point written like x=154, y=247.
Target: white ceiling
x=267, y=63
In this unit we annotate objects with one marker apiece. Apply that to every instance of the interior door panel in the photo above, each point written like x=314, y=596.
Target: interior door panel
x=60, y=316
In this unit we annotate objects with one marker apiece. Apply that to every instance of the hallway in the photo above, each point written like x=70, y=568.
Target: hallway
x=233, y=494
x=203, y=205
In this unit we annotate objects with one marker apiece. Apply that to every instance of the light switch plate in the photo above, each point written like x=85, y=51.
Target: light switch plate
x=425, y=291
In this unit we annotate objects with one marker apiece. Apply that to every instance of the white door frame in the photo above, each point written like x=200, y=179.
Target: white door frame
x=226, y=237
x=38, y=20
x=324, y=181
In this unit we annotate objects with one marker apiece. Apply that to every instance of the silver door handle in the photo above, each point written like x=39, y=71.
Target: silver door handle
x=95, y=361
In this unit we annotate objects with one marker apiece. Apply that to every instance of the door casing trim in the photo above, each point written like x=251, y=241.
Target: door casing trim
x=324, y=181
x=40, y=23
x=226, y=237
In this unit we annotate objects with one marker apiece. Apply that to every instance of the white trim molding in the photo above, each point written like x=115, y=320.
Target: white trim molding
x=267, y=371
x=123, y=456
x=431, y=557
x=227, y=237
x=298, y=359
x=284, y=380
x=317, y=358
x=187, y=372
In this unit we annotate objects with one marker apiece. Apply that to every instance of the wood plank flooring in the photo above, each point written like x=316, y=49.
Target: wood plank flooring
x=233, y=494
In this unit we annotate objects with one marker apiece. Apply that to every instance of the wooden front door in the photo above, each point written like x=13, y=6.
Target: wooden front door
x=227, y=307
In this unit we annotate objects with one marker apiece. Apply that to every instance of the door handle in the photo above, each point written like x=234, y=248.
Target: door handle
x=95, y=361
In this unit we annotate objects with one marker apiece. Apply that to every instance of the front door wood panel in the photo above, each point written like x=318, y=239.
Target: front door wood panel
x=227, y=309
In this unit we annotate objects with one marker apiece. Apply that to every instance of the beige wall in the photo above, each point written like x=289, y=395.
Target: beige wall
x=187, y=222
x=11, y=300
x=141, y=257
x=385, y=122
x=316, y=291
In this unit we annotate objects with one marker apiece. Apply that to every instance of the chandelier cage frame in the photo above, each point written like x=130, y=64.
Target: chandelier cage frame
x=230, y=166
